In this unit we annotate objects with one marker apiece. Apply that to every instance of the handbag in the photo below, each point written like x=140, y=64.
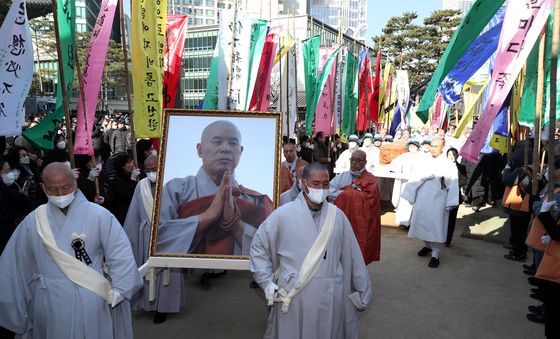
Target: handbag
x=513, y=199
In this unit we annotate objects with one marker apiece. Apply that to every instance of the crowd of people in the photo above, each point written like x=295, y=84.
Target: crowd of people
x=331, y=197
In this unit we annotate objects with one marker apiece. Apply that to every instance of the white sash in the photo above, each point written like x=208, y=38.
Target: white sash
x=75, y=270
x=147, y=197
x=312, y=260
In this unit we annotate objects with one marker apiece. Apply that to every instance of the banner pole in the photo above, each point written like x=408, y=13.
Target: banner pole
x=553, y=103
x=127, y=84
x=538, y=112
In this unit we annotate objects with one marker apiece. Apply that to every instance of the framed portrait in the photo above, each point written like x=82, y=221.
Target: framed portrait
x=217, y=181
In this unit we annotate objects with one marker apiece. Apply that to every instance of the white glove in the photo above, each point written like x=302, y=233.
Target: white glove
x=545, y=239
x=76, y=172
x=115, y=297
x=547, y=205
x=135, y=173
x=93, y=173
x=339, y=145
x=269, y=293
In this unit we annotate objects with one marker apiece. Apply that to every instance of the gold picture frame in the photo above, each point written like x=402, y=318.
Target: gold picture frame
x=187, y=126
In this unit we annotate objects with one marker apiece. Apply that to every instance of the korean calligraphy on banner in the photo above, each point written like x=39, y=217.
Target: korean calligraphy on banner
x=16, y=68
x=523, y=23
x=324, y=110
x=42, y=136
x=241, y=45
x=91, y=77
x=148, y=44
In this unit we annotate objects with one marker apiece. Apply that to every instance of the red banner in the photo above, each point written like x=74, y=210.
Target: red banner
x=365, y=96
x=260, y=100
x=175, y=38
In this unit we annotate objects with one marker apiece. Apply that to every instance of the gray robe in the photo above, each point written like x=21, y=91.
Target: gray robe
x=177, y=235
x=36, y=298
x=328, y=306
x=289, y=195
x=169, y=299
x=342, y=180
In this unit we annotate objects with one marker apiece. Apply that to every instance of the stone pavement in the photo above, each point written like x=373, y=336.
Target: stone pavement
x=475, y=293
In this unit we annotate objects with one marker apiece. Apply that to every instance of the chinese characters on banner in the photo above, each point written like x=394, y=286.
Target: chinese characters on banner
x=324, y=109
x=523, y=23
x=241, y=45
x=174, y=48
x=16, y=68
x=310, y=48
x=91, y=77
x=42, y=136
x=148, y=44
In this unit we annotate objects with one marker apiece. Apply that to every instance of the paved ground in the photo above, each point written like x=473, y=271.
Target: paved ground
x=475, y=293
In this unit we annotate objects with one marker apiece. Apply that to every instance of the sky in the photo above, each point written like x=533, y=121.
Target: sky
x=379, y=12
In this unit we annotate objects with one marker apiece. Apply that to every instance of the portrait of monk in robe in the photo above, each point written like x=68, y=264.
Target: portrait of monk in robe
x=210, y=212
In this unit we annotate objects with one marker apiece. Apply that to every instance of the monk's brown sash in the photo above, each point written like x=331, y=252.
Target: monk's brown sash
x=215, y=240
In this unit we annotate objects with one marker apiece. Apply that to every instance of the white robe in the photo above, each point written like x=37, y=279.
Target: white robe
x=432, y=203
x=289, y=195
x=342, y=164
x=403, y=166
x=177, y=235
x=372, y=157
x=38, y=301
x=328, y=305
x=169, y=299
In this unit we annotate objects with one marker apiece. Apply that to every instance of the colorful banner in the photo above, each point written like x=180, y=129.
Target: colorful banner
x=291, y=115
x=438, y=111
x=258, y=36
x=240, y=61
x=147, y=50
x=470, y=99
x=472, y=24
x=310, y=49
x=521, y=28
x=325, y=101
x=261, y=95
x=374, y=115
x=498, y=139
x=175, y=38
x=286, y=43
x=548, y=61
x=42, y=136
x=215, y=96
x=529, y=98
x=92, y=75
x=403, y=88
x=474, y=58
x=383, y=91
x=16, y=68
x=366, y=92
x=339, y=86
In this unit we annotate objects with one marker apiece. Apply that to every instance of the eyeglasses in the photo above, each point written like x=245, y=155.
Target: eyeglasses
x=356, y=160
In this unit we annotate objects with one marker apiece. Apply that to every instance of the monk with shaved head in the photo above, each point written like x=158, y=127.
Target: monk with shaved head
x=356, y=193
x=210, y=212
x=53, y=284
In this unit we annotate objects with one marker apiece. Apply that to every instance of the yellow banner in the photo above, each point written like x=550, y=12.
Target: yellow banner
x=470, y=99
x=147, y=49
x=386, y=74
x=285, y=44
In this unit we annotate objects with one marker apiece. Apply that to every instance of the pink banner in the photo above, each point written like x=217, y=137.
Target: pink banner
x=437, y=112
x=523, y=23
x=323, y=116
x=260, y=100
x=91, y=76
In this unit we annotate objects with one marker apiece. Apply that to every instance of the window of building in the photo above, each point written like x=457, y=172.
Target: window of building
x=221, y=5
x=199, y=21
x=186, y=10
x=198, y=11
x=197, y=2
x=210, y=3
x=210, y=21
x=210, y=12
x=186, y=2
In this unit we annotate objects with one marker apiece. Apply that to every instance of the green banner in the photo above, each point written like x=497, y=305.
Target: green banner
x=470, y=28
x=546, y=94
x=258, y=36
x=350, y=101
x=529, y=97
x=42, y=136
x=311, y=66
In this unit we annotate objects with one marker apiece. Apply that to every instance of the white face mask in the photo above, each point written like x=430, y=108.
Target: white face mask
x=61, y=144
x=298, y=184
x=367, y=142
x=151, y=176
x=24, y=160
x=61, y=201
x=357, y=173
x=99, y=167
x=10, y=177
x=317, y=195
x=352, y=144
x=154, y=152
x=67, y=163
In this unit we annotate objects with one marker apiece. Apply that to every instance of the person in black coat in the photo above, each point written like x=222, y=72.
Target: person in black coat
x=121, y=186
x=452, y=155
